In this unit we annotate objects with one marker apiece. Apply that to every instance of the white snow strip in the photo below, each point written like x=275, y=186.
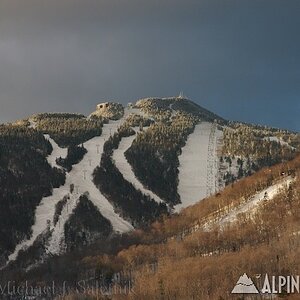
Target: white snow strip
x=56, y=153
x=43, y=216
x=173, y=111
x=198, y=169
x=81, y=177
x=57, y=242
x=125, y=168
x=252, y=204
x=278, y=140
x=32, y=124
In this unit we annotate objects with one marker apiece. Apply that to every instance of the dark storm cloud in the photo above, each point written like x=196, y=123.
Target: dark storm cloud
x=238, y=58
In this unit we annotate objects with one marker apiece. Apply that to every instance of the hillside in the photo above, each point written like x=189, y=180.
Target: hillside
x=251, y=227
x=84, y=181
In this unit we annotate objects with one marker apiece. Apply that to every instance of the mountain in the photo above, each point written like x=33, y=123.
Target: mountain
x=68, y=181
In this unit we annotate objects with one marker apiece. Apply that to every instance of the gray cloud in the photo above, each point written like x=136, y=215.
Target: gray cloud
x=238, y=58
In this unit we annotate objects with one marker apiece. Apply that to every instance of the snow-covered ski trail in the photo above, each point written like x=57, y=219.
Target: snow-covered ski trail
x=198, y=165
x=125, y=168
x=57, y=241
x=56, y=153
x=251, y=205
x=81, y=177
x=278, y=140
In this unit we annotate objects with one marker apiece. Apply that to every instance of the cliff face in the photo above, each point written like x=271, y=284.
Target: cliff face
x=109, y=110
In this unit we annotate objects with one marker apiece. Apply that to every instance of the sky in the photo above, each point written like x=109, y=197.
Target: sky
x=237, y=58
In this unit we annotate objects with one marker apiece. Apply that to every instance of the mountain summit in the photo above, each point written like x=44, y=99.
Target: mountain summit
x=171, y=104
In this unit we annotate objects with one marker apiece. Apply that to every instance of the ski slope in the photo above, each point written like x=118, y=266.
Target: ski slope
x=56, y=152
x=278, y=140
x=125, y=168
x=57, y=241
x=252, y=204
x=198, y=165
x=81, y=177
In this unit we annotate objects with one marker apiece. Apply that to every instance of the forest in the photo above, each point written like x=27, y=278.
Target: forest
x=247, y=148
x=246, y=141
x=69, y=129
x=85, y=225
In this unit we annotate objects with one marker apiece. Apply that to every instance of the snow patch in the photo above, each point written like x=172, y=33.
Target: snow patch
x=278, y=140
